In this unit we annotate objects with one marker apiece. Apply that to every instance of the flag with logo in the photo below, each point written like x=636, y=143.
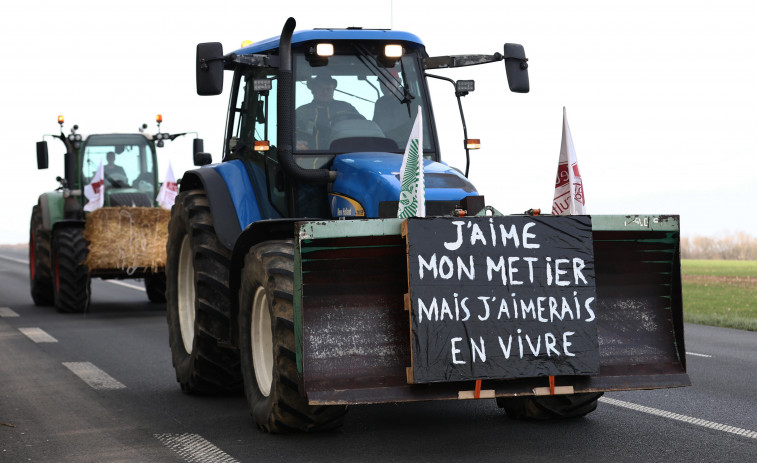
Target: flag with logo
x=412, y=189
x=168, y=190
x=569, y=190
x=95, y=191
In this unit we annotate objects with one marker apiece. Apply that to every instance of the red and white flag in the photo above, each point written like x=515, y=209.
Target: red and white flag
x=95, y=191
x=569, y=189
x=168, y=190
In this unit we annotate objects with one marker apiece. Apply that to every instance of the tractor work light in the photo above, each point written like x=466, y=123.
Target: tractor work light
x=465, y=86
x=261, y=145
x=393, y=51
x=473, y=143
x=260, y=85
x=324, y=50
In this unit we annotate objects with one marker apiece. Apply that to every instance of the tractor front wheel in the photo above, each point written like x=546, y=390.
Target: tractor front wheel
x=197, y=300
x=155, y=286
x=267, y=346
x=70, y=274
x=549, y=407
x=40, y=273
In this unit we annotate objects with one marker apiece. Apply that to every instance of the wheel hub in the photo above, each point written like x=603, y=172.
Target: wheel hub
x=186, y=294
x=262, y=342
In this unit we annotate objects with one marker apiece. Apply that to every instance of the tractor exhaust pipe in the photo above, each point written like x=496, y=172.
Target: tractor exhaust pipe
x=285, y=132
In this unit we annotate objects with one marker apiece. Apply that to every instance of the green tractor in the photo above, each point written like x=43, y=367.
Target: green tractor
x=120, y=234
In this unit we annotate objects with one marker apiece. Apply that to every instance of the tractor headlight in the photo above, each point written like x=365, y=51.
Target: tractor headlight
x=324, y=50
x=393, y=51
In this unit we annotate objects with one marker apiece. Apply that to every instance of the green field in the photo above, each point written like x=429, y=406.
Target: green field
x=720, y=293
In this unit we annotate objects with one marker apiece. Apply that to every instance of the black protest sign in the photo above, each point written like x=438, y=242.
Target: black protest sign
x=501, y=297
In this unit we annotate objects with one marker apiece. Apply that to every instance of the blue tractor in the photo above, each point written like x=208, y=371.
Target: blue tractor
x=288, y=269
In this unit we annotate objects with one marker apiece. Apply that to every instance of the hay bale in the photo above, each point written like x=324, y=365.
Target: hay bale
x=127, y=238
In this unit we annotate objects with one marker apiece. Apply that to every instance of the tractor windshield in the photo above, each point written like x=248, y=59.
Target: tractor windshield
x=127, y=161
x=355, y=101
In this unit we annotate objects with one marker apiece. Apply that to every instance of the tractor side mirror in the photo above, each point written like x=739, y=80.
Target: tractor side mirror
x=202, y=159
x=516, y=67
x=198, y=155
x=42, y=157
x=198, y=146
x=209, y=68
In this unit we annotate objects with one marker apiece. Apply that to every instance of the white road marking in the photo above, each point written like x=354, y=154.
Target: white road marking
x=698, y=355
x=128, y=285
x=7, y=312
x=686, y=419
x=13, y=259
x=115, y=282
x=37, y=335
x=194, y=448
x=93, y=376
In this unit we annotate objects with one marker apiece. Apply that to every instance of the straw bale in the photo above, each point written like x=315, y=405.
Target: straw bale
x=127, y=238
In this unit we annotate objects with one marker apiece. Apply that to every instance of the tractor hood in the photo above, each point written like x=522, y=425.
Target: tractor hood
x=370, y=182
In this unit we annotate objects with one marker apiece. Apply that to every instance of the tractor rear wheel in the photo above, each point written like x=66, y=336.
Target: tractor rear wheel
x=267, y=346
x=155, y=286
x=549, y=407
x=70, y=274
x=197, y=300
x=40, y=274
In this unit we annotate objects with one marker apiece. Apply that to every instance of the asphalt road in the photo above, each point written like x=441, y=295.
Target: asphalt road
x=100, y=387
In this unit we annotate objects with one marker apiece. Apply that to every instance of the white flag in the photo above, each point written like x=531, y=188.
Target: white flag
x=412, y=186
x=569, y=190
x=168, y=191
x=95, y=191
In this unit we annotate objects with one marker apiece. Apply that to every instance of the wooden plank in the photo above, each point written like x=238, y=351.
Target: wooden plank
x=559, y=390
x=485, y=394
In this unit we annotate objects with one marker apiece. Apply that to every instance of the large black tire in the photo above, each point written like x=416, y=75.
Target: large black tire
x=40, y=273
x=549, y=407
x=267, y=346
x=155, y=287
x=197, y=300
x=70, y=274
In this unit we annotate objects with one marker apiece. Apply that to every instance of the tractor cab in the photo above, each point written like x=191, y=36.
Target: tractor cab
x=322, y=132
x=129, y=173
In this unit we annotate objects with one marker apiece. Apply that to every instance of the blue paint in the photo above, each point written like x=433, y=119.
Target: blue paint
x=240, y=188
x=371, y=178
x=332, y=34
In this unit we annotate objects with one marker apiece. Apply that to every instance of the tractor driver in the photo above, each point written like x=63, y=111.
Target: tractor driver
x=112, y=170
x=315, y=119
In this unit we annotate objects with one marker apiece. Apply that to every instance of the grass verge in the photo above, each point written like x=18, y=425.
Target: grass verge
x=720, y=293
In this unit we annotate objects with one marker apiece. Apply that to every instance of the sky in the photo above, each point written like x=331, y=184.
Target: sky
x=660, y=95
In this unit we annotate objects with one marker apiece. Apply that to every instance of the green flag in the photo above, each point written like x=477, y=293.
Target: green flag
x=412, y=190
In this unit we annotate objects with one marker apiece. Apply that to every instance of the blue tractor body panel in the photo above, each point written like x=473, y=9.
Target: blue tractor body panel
x=241, y=191
x=372, y=178
x=332, y=34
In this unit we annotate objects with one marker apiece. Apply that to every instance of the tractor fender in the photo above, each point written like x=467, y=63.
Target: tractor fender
x=255, y=233
x=68, y=223
x=51, y=207
x=233, y=203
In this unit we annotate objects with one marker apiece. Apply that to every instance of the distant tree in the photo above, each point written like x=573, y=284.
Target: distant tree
x=735, y=246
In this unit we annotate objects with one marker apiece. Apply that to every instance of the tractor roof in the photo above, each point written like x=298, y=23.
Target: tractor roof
x=332, y=34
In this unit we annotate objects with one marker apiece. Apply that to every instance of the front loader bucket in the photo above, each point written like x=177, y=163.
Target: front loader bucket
x=353, y=335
